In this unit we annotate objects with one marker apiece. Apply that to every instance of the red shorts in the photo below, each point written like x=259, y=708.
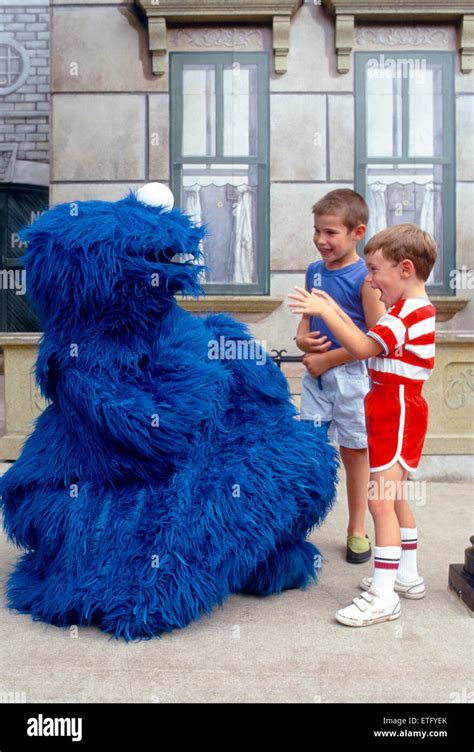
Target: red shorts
x=396, y=417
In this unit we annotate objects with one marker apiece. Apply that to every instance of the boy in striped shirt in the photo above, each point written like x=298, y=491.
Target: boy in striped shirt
x=400, y=348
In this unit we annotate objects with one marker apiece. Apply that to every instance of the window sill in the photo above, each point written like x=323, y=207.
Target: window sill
x=233, y=303
x=447, y=306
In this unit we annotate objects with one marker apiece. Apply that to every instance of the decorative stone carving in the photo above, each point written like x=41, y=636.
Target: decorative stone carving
x=7, y=162
x=279, y=12
x=218, y=37
x=460, y=389
x=409, y=36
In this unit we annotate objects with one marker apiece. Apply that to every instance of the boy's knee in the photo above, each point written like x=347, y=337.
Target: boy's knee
x=379, y=507
x=348, y=454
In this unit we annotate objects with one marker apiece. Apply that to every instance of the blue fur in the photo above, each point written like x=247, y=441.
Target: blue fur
x=137, y=528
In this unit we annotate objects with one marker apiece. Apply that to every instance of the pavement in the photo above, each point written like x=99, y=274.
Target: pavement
x=285, y=648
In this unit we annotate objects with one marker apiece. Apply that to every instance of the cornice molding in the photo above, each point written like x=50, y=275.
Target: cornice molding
x=349, y=12
x=158, y=14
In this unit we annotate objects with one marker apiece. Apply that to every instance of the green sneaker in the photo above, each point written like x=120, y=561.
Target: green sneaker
x=358, y=549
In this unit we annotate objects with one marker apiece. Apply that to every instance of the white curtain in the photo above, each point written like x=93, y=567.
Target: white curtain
x=193, y=203
x=192, y=206
x=377, y=203
x=243, y=246
x=429, y=209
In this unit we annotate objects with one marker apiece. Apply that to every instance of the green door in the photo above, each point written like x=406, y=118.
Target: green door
x=20, y=205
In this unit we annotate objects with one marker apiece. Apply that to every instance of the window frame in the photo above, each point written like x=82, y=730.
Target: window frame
x=447, y=160
x=261, y=159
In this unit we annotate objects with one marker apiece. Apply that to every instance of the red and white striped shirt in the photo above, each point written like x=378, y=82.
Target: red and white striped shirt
x=407, y=334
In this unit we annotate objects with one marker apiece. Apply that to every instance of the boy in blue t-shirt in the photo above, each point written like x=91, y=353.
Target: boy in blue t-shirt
x=334, y=386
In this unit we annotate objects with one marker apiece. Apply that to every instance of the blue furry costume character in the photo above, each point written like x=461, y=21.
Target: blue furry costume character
x=158, y=480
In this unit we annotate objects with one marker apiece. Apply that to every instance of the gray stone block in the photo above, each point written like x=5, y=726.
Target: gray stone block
x=99, y=137
x=39, y=154
x=158, y=134
x=341, y=137
x=312, y=58
x=24, y=36
x=89, y=38
x=298, y=137
x=292, y=246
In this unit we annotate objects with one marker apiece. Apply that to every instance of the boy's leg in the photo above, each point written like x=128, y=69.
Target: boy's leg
x=349, y=418
x=382, y=495
x=408, y=582
x=408, y=569
x=356, y=464
x=380, y=602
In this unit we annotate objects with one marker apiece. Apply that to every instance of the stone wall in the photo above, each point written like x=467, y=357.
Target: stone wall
x=28, y=27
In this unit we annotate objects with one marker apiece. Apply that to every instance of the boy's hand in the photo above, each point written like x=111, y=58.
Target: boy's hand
x=307, y=303
x=313, y=343
x=316, y=363
x=324, y=296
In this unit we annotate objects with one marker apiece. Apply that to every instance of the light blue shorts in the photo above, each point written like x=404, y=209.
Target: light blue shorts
x=335, y=400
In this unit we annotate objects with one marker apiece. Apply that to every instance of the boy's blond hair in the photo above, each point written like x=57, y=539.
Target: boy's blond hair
x=346, y=204
x=407, y=241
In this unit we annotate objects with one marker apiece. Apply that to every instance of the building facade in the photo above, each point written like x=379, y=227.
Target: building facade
x=251, y=111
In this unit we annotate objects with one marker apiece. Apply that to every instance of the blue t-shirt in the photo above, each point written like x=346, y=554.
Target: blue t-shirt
x=344, y=286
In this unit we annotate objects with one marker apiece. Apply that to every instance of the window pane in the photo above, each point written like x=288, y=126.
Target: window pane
x=224, y=197
x=199, y=110
x=240, y=110
x=384, y=113
x=407, y=193
x=425, y=111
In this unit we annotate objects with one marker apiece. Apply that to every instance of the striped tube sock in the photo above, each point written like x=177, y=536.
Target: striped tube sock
x=408, y=571
x=386, y=561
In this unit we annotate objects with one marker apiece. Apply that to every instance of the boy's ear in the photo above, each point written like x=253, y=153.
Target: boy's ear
x=359, y=231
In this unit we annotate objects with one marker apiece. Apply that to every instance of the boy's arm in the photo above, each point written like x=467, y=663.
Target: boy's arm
x=309, y=342
x=373, y=307
x=345, y=331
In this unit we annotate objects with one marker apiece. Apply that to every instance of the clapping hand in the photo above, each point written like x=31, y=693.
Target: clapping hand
x=311, y=304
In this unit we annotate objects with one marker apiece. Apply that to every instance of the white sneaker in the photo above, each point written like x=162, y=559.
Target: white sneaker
x=413, y=590
x=369, y=608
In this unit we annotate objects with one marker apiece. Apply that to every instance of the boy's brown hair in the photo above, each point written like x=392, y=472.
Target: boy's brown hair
x=407, y=241
x=346, y=204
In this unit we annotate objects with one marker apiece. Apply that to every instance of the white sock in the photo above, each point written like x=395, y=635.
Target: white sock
x=386, y=560
x=407, y=571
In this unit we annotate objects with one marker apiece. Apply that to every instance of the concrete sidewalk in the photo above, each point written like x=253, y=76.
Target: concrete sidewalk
x=283, y=648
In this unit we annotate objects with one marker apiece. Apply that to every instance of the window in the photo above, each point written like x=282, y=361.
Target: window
x=219, y=162
x=14, y=66
x=20, y=205
x=405, y=147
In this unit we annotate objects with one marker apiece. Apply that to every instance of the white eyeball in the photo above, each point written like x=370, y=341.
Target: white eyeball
x=156, y=194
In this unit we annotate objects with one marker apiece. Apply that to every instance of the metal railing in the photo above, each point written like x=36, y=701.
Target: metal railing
x=280, y=358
